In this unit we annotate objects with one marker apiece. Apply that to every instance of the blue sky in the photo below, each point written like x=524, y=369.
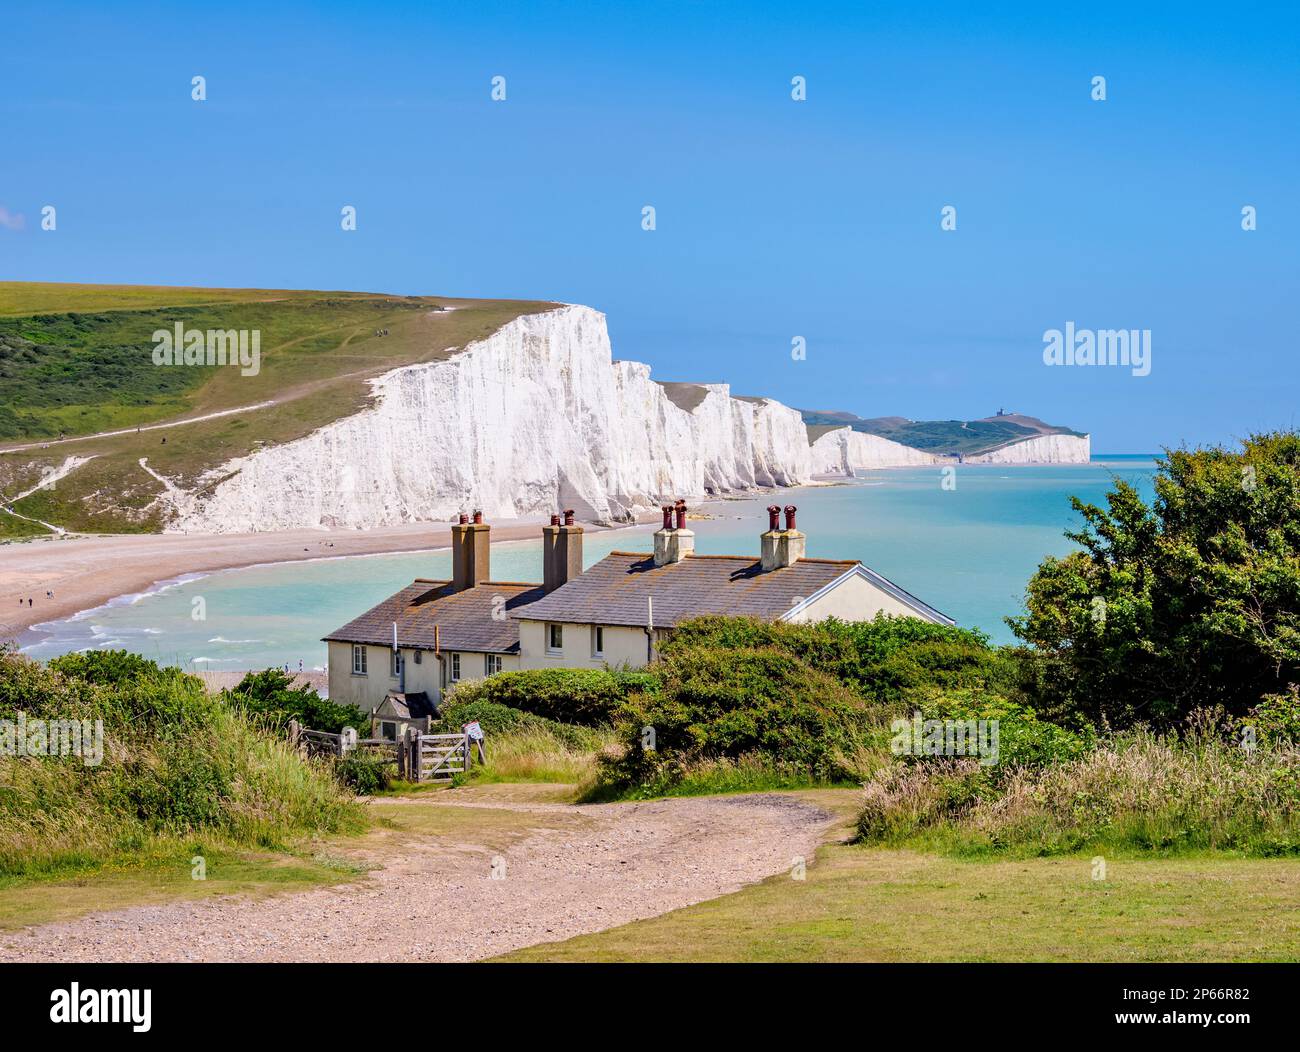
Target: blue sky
x=775, y=218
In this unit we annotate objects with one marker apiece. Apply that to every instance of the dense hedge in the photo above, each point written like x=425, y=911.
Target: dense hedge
x=567, y=695
x=716, y=704
x=272, y=695
x=500, y=720
x=881, y=660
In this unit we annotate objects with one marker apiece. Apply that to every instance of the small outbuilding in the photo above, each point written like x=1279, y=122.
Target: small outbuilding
x=398, y=711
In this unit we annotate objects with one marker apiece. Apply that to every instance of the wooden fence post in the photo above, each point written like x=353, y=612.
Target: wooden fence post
x=417, y=757
x=401, y=756
x=295, y=733
x=468, y=749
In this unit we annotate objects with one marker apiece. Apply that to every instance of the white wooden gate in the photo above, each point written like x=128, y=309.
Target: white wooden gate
x=441, y=755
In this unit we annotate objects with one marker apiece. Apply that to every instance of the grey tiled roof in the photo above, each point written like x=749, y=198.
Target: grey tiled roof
x=613, y=592
x=465, y=619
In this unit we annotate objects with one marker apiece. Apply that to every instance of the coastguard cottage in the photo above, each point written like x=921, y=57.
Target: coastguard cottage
x=398, y=659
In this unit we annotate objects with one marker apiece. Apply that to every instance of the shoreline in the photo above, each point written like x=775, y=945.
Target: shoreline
x=86, y=573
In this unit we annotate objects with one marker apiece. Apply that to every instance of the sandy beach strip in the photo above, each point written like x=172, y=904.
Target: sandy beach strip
x=228, y=680
x=86, y=572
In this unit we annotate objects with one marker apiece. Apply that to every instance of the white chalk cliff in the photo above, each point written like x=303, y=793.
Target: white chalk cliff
x=844, y=451
x=1044, y=449
x=535, y=417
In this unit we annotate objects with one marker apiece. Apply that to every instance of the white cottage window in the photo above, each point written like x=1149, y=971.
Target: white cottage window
x=358, y=659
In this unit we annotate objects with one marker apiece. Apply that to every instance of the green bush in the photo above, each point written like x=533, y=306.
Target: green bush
x=1192, y=601
x=271, y=694
x=724, y=704
x=1022, y=738
x=365, y=773
x=1276, y=719
x=498, y=721
x=884, y=659
x=110, y=668
x=567, y=695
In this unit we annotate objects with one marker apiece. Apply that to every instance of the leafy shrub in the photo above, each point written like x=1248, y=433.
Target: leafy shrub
x=271, y=694
x=134, y=690
x=111, y=668
x=567, y=695
x=1192, y=601
x=1022, y=738
x=365, y=773
x=1276, y=719
x=884, y=659
x=715, y=704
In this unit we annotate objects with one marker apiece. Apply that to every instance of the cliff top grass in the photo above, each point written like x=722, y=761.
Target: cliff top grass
x=76, y=365
x=940, y=437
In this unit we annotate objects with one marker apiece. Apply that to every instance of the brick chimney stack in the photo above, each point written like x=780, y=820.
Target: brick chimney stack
x=550, y=536
x=780, y=547
x=567, y=561
x=674, y=542
x=769, y=542
x=471, y=552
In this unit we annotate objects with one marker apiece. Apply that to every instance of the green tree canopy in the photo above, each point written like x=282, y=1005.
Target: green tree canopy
x=1193, y=601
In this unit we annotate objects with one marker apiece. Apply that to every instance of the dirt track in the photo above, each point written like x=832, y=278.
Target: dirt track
x=562, y=871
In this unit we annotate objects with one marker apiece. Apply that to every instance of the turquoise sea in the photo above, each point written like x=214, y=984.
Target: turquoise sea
x=967, y=550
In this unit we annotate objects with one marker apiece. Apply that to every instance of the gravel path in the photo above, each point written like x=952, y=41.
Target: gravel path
x=438, y=901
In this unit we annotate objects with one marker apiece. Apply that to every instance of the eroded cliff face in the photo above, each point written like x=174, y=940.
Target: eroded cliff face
x=844, y=451
x=1045, y=449
x=535, y=417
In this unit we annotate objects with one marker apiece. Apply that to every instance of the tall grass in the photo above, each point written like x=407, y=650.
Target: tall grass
x=524, y=747
x=180, y=770
x=1137, y=791
x=538, y=755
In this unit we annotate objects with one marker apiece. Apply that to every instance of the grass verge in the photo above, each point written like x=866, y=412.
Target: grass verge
x=871, y=904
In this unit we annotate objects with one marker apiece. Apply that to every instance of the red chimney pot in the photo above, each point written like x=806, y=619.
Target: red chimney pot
x=478, y=518
x=555, y=520
x=463, y=519
x=667, y=509
x=568, y=516
x=681, y=514
x=790, y=509
x=774, y=517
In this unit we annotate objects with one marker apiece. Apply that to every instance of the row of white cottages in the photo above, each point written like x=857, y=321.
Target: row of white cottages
x=398, y=659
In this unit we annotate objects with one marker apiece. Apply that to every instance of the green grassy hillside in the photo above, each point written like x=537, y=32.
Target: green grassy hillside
x=76, y=361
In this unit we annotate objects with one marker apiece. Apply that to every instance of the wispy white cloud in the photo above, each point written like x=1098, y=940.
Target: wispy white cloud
x=11, y=220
